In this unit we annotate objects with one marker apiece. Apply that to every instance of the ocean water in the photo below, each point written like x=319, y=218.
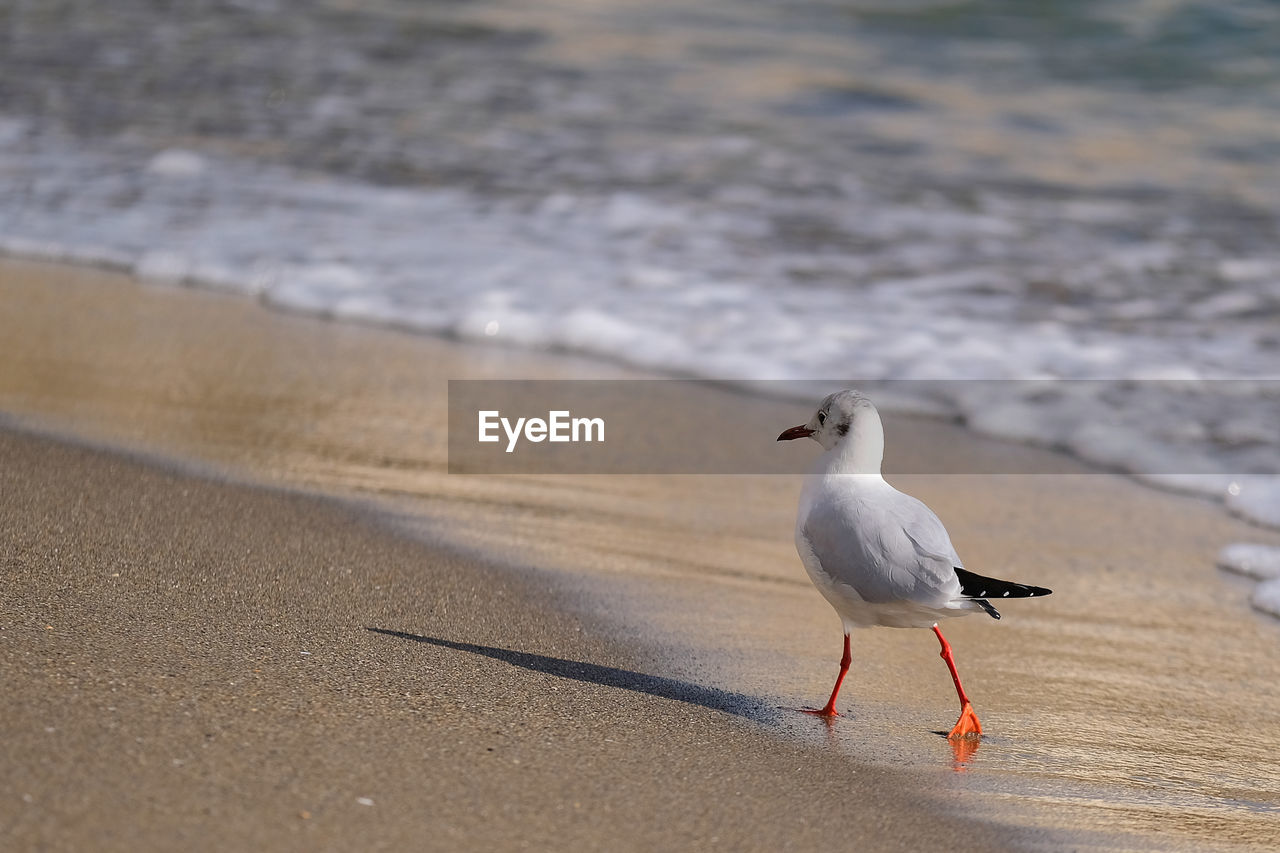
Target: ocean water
x=744, y=190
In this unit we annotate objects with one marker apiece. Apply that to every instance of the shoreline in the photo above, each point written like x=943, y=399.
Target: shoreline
x=1251, y=497
x=708, y=581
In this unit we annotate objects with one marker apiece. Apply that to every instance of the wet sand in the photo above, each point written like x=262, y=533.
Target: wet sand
x=1139, y=707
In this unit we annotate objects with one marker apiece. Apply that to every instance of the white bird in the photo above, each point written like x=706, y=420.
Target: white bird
x=881, y=557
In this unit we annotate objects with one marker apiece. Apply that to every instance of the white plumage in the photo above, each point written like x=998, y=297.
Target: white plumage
x=878, y=556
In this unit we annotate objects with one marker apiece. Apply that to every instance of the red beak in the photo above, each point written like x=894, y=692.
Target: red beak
x=795, y=432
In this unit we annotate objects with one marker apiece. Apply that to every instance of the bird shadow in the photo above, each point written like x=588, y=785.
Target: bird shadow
x=737, y=704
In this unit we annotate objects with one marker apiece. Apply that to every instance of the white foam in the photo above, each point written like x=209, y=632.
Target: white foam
x=1257, y=499
x=1266, y=597
x=161, y=265
x=1231, y=303
x=1247, y=269
x=177, y=163
x=1256, y=561
x=627, y=213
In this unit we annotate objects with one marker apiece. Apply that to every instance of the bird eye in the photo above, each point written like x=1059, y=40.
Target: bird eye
x=822, y=418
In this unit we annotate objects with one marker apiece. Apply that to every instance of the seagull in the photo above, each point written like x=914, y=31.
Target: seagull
x=878, y=556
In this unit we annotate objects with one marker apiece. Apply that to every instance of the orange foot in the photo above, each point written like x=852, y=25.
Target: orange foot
x=827, y=713
x=967, y=726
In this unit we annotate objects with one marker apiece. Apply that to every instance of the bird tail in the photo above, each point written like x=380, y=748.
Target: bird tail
x=979, y=588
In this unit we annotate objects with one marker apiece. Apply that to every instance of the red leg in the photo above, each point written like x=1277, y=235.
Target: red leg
x=967, y=725
x=829, y=710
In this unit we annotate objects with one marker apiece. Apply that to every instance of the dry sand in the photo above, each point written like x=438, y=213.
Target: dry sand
x=1138, y=707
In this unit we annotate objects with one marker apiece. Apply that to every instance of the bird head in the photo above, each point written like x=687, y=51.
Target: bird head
x=840, y=415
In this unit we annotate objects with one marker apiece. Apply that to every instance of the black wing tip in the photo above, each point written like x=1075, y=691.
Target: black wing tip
x=976, y=586
x=986, y=605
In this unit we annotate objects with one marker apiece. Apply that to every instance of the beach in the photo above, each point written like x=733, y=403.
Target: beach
x=268, y=275
x=243, y=596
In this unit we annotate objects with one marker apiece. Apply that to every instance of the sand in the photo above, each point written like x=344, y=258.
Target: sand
x=190, y=664
x=1139, y=707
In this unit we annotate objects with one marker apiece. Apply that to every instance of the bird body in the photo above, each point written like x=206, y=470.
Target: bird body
x=878, y=556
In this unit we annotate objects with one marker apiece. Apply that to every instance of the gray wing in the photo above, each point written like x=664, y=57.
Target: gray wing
x=887, y=550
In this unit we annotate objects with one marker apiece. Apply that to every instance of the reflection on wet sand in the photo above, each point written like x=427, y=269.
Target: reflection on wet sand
x=963, y=750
